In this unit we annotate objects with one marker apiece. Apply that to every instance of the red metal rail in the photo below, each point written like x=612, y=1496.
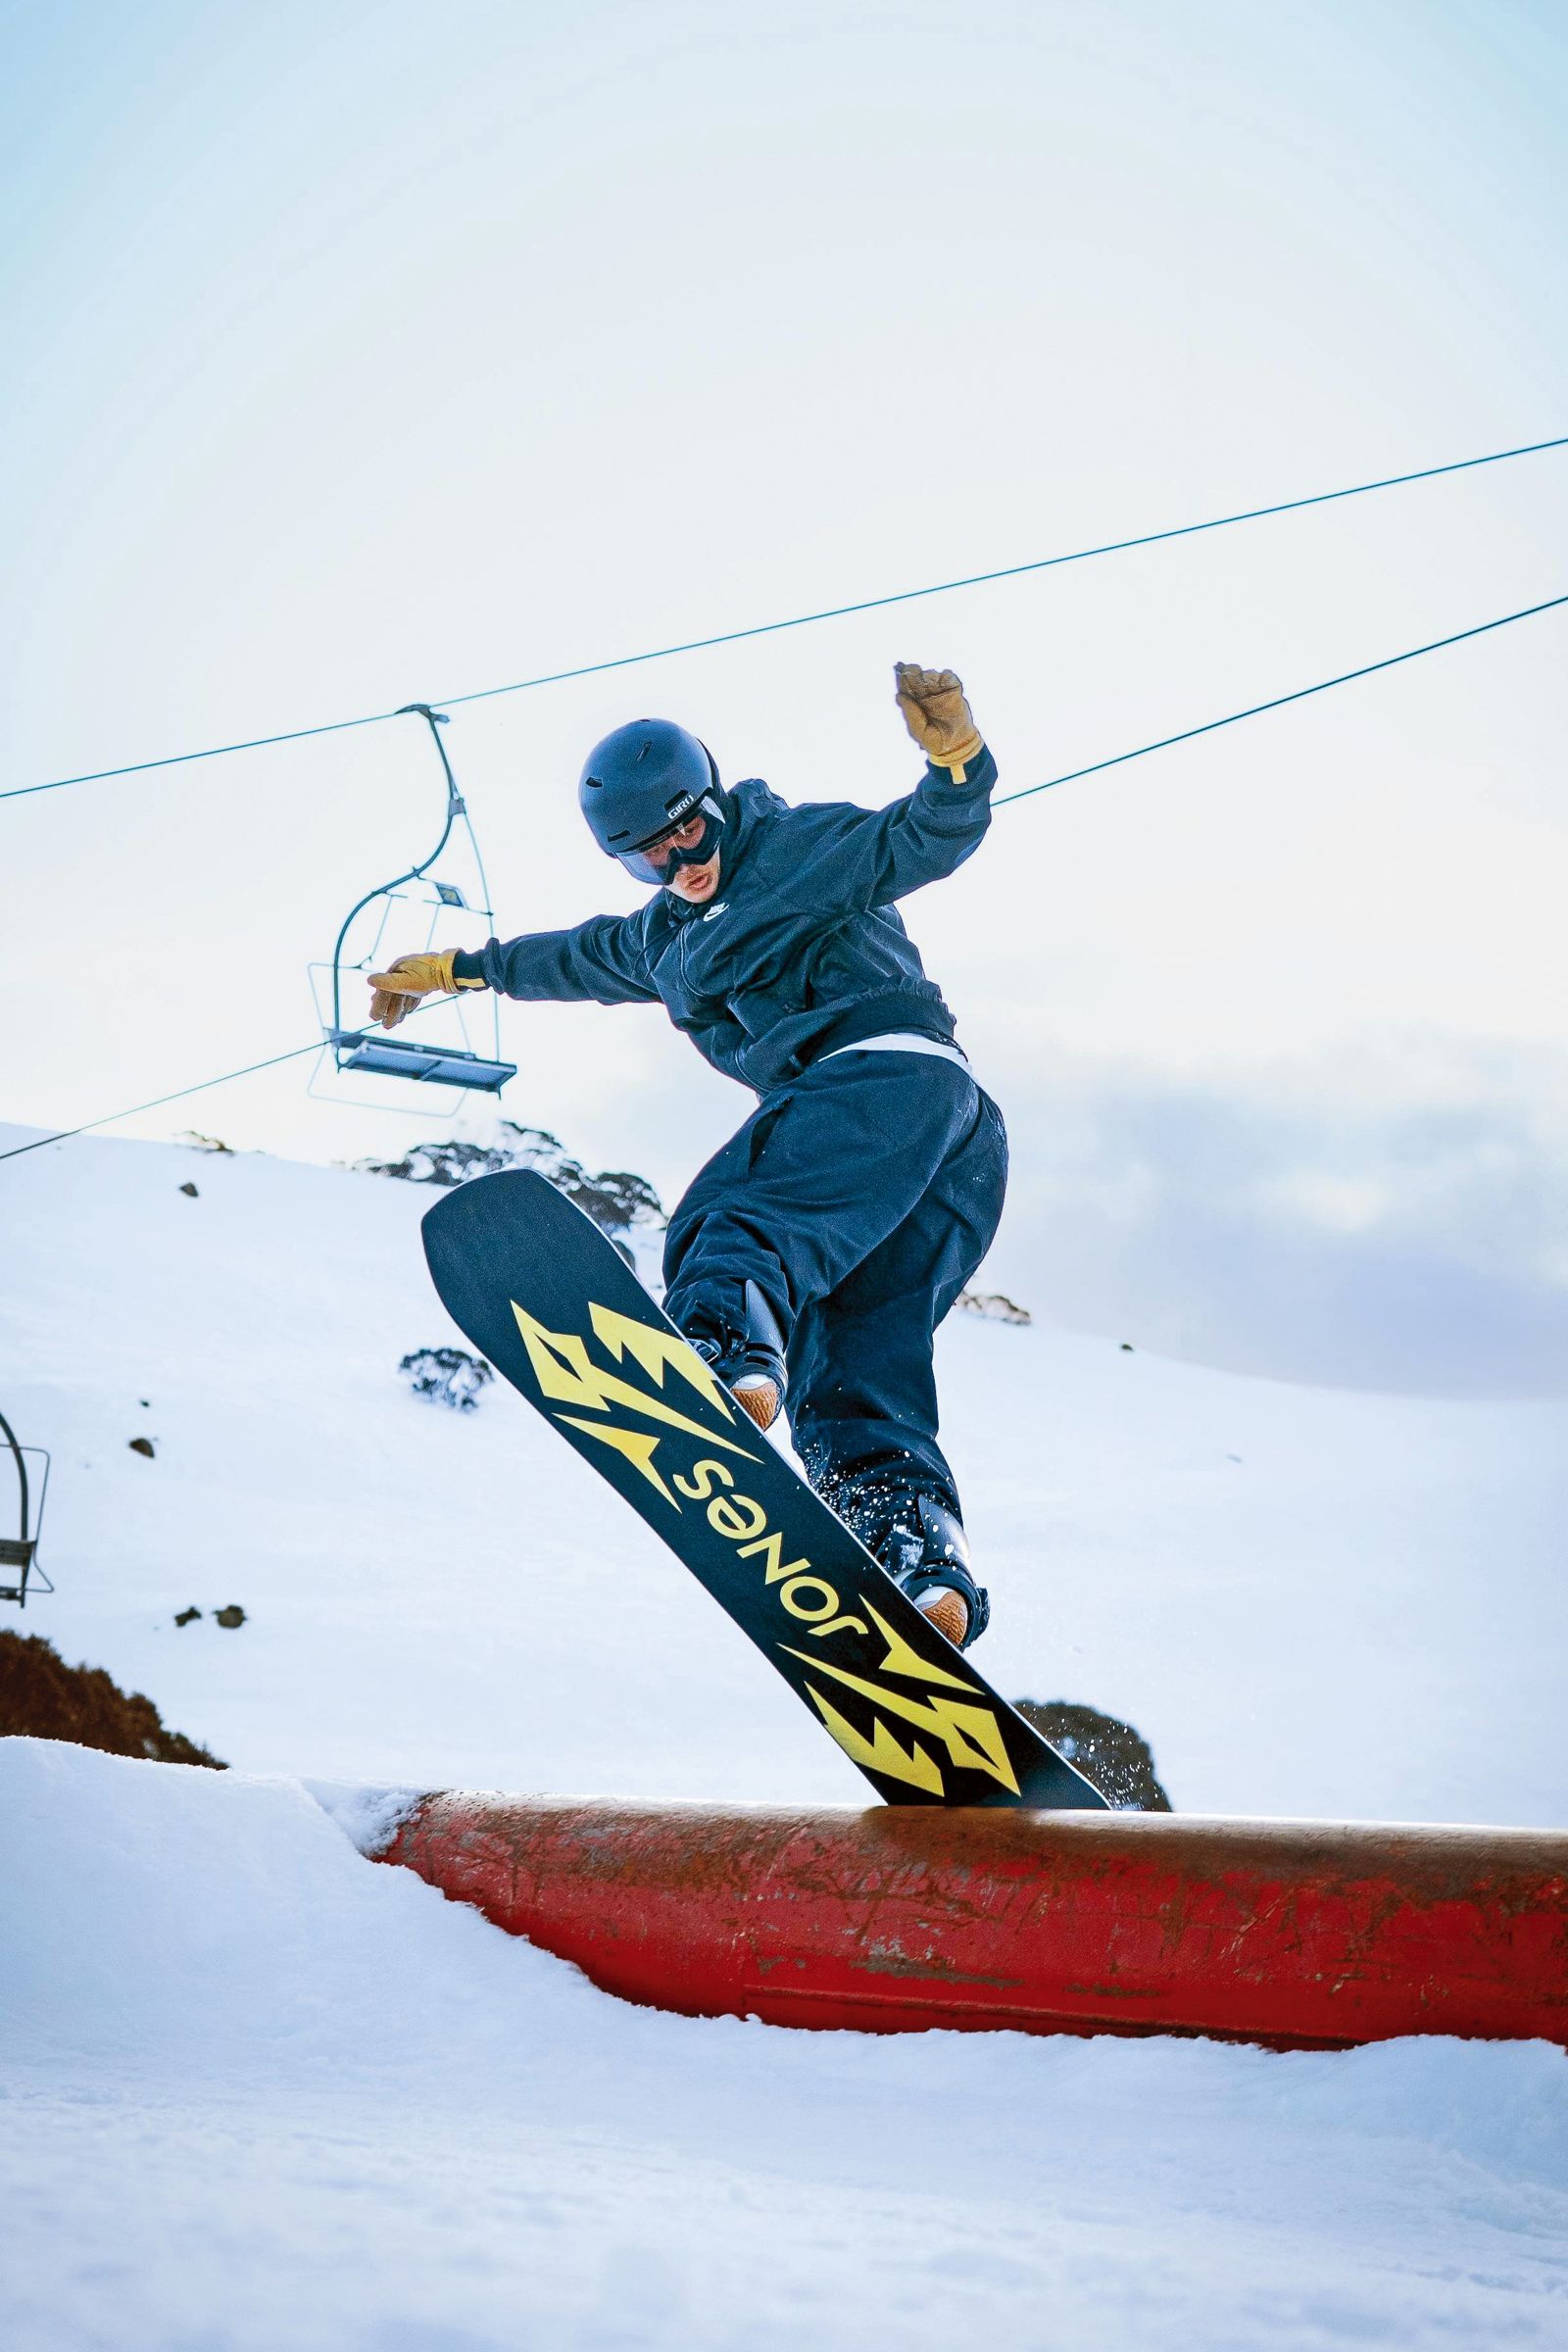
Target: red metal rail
x=1297, y=1934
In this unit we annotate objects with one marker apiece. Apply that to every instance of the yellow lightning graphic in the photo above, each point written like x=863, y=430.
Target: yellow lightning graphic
x=638, y=1445
x=971, y=1736
x=653, y=1350
x=901, y=1658
x=881, y=1753
x=560, y=1366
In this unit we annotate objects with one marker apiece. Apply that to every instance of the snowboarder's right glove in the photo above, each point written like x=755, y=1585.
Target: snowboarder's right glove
x=937, y=717
x=410, y=979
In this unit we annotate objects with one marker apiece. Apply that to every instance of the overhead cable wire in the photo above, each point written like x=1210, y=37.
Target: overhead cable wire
x=1277, y=701
x=214, y=750
x=1009, y=571
x=1096, y=767
x=180, y=1092
x=801, y=620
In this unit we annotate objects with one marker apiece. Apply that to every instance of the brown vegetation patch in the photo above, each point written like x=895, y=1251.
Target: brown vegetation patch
x=41, y=1697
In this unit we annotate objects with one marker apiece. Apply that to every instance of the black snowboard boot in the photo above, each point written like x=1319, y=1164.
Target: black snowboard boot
x=749, y=1361
x=930, y=1560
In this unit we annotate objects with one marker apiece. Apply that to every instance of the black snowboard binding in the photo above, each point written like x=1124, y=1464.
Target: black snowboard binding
x=930, y=1562
x=749, y=1361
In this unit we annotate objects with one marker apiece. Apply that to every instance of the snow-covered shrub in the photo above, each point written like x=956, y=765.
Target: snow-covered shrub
x=993, y=1307
x=614, y=1199
x=447, y=1376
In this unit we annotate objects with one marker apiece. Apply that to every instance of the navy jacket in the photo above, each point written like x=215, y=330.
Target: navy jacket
x=800, y=951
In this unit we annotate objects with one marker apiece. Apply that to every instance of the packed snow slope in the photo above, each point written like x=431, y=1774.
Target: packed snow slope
x=256, y=2093
x=261, y=2093
x=1309, y=1601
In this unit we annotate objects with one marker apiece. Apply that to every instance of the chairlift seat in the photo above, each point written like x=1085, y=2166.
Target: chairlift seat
x=430, y=1066
x=13, y=1554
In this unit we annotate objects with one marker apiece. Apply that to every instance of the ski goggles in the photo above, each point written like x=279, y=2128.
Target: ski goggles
x=691, y=841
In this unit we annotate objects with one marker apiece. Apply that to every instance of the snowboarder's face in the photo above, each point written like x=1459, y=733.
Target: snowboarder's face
x=694, y=883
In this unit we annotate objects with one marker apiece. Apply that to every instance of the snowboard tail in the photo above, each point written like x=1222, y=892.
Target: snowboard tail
x=538, y=1288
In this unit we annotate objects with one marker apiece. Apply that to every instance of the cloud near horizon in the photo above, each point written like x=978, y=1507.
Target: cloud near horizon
x=1319, y=1228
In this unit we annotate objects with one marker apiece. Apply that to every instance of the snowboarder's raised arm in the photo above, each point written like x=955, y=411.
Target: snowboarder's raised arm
x=600, y=962
x=870, y=857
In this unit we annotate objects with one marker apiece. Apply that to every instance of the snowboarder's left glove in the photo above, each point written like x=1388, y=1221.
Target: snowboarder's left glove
x=410, y=979
x=937, y=717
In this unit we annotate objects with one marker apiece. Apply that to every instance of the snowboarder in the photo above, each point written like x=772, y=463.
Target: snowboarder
x=818, y=1249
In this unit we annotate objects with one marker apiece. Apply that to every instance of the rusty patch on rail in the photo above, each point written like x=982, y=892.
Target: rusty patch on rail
x=888, y=1959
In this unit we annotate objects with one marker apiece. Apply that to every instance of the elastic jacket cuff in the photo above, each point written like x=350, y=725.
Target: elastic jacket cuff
x=974, y=773
x=468, y=968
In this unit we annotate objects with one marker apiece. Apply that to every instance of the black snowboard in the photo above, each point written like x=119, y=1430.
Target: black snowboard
x=538, y=1288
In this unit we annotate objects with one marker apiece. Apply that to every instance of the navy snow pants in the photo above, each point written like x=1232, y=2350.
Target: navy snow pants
x=859, y=1199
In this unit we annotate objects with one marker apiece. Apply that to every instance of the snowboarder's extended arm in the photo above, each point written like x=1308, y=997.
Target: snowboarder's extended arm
x=601, y=961
x=866, y=857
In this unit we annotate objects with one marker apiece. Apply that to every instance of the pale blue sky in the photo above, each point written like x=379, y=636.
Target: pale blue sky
x=357, y=354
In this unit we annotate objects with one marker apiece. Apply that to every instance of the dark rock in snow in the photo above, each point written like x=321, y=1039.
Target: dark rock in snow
x=190, y=1192
x=186, y=1616
x=230, y=1617
x=1105, y=1750
x=141, y=1446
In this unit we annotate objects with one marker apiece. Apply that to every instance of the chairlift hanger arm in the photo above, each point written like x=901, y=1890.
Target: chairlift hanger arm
x=10, y=1436
x=435, y=721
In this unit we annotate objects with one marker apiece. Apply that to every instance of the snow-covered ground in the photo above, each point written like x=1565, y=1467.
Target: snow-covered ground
x=1310, y=1601
x=258, y=2093
x=265, y=2095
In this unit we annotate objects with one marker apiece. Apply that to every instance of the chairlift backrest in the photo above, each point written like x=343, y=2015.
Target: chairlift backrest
x=20, y=1551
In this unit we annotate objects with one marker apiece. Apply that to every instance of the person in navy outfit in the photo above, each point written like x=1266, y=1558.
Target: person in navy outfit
x=816, y=1252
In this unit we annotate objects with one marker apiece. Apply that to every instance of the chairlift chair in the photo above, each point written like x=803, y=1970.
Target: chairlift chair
x=369, y=1051
x=20, y=1551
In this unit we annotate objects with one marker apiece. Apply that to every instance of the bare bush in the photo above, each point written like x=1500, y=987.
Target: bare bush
x=447, y=1376
x=614, y=1199
x=993, y=1307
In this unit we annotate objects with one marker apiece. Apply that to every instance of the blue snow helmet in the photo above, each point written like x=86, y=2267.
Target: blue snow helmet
x=649, y=779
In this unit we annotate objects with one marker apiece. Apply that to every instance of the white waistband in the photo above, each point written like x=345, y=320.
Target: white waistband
x=901, y=1042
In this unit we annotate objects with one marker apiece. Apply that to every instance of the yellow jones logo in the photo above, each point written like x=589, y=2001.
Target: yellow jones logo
x=965, y=1726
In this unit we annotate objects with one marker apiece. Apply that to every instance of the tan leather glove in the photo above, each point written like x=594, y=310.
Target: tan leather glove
x=409, y=980
x=937, y=716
